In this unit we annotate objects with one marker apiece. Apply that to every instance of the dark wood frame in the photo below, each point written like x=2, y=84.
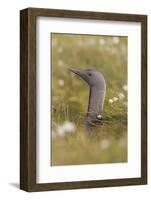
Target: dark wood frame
x=28, y=98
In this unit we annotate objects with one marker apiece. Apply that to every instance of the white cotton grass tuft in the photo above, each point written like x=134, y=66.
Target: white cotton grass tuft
x=60, y=49
x=61, y=82
x=115, y=99
x=115, y=40
x=60, y=63
x=111, y=101
x=66, y=127
x=125, y=87
x=104, y=144
x=99, y=116
x=102, y=42
x=121, y=96
x=60, y=130
x=53, y=43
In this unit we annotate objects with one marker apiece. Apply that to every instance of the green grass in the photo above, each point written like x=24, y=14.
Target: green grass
x=70, y=98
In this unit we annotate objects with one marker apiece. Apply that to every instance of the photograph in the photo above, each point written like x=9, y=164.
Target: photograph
x=89, y=99
x=83, y=99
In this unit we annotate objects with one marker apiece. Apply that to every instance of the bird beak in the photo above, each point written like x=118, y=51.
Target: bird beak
x=79, y=73
x=76, y=71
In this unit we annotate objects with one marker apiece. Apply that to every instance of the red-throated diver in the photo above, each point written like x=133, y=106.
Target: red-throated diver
x=97, y=86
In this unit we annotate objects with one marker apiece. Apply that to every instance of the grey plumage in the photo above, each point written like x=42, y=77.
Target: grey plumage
x=97, y=87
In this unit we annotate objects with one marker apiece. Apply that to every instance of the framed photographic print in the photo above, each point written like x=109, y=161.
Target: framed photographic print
x=83, y=93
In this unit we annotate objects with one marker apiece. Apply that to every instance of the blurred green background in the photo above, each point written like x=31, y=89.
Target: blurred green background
x=69, y=142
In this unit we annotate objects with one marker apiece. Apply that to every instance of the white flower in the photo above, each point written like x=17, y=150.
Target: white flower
x=115, y=40
x=102, y=42
x=54, y=43
x=60, y=50
x=110, y=101
x=99, y=116
x=121, y=96
x=125, y=87
x=66, y=127
x=60, y=62
x=61, y=82
x=69, y=127
x=115, y=98
x=104, y=144
x=60, y=130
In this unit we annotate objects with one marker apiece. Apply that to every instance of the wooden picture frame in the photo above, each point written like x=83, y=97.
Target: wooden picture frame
x=28, y=98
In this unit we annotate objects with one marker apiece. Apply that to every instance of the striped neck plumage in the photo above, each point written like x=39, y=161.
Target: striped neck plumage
x=95, y=106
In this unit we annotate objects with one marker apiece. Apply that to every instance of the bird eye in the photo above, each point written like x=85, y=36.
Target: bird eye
x=89, y=74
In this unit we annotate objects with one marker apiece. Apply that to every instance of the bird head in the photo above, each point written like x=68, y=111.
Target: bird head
x=92, y=77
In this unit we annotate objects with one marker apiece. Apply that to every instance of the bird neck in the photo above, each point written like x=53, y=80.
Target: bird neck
x=96, y=101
